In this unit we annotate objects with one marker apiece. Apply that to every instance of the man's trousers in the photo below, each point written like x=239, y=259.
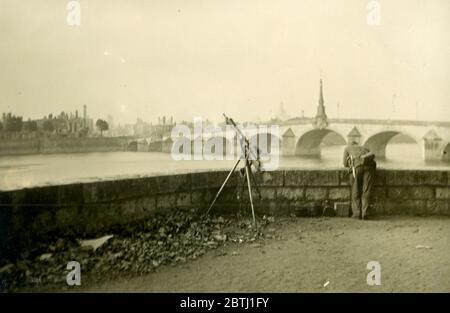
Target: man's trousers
x=361, y=188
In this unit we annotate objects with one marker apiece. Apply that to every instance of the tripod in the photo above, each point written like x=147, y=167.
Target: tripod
x=248, y=153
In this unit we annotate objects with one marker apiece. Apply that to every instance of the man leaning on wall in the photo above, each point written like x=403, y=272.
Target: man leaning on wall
x=361, y=165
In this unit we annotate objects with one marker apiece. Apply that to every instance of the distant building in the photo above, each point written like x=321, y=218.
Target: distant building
x=141, y=128
x=161, y=130
x=11, y=123
x=282, y=114
x=65, y=124
x=119, y=130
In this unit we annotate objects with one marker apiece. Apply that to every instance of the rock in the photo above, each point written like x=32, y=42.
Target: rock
x=7, y=269
x=234, y=253
x=212, y=244
x=85, y=249
x=60, y=244
x=117, y=255
x=219, y=237
x=180, y=259
x=96, y=243
x=45, y=257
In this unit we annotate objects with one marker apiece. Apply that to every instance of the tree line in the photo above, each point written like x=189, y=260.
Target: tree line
x=14, y=123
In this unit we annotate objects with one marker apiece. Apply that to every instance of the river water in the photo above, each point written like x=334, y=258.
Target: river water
x=38, y=170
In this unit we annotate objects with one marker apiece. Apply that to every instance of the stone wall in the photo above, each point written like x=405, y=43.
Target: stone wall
x=90, y=208
x=19, y=146
x=62, y=145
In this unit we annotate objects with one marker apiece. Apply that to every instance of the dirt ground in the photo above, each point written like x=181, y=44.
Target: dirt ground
x=305, y=253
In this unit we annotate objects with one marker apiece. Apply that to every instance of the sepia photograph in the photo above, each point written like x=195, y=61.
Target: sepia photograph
x=246, y=147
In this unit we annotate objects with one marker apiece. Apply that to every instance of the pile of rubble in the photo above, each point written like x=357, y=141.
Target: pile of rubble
x=132, y=250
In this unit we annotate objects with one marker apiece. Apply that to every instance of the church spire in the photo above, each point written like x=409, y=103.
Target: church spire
x=321, y=94
x=321, y=116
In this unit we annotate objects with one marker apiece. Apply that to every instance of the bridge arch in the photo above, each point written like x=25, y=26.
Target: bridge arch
x=446, y=153
x=309, y=143
x=142, y=145
x=377, y=143
x=155, y=146
x=132, y=146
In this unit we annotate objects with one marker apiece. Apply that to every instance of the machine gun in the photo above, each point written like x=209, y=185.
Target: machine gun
x=251, y=157
x=252, y=154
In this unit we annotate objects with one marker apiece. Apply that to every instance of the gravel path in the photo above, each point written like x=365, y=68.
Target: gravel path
x=305, y=253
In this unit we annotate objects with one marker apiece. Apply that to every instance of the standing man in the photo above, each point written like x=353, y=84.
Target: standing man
x=361, y=164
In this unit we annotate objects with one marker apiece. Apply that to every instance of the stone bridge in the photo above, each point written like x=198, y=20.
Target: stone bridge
x=303, y=136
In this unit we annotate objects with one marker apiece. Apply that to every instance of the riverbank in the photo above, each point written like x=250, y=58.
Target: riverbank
x=53, y=145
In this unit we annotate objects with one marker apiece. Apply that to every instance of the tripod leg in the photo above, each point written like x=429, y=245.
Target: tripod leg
x=241, y=188
x=256, y=185
x=223, y=185
x=250, y=195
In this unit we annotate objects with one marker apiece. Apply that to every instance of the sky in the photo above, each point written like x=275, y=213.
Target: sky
x=199, y=58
